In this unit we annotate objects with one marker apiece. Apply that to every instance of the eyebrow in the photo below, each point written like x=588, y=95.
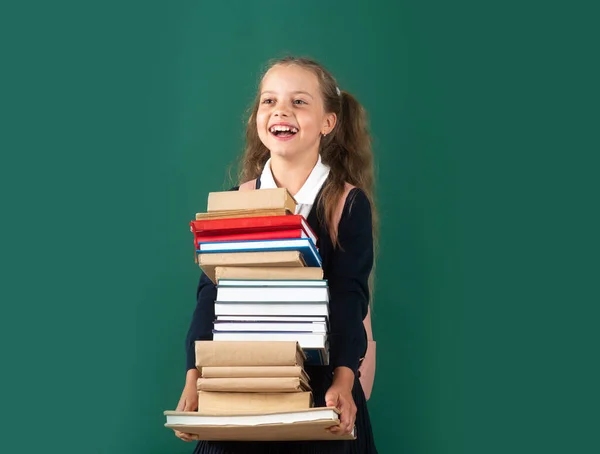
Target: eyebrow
x=294, y=92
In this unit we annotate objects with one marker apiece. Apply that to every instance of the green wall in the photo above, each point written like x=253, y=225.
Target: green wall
x=120, y=117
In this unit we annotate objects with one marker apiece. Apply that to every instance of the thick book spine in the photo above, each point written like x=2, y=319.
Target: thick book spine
x=269, y=273
x=253, y=384
x=268, y=235
x=248, y=353
x=242, y=214
x=251, y=200
x=254, y=371
x=225, y=403
x=249, y=224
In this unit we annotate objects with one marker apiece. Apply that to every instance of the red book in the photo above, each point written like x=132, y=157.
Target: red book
x=209, y=227
x=270, y=235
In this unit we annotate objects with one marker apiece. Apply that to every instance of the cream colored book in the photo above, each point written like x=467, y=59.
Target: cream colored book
x=241, y=353
x=254, y=371
x=257, y=199
x=253, y=385
x=224, y=403
x=305, y=273
x=233, y=214
x=209, y=261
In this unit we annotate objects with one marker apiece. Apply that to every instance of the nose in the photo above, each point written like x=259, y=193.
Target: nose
x=281, y=111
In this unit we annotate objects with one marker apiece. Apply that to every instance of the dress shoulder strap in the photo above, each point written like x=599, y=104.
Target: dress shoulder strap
x=340, y=209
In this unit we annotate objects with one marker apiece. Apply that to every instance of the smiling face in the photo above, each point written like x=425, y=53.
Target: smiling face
x=291, y=117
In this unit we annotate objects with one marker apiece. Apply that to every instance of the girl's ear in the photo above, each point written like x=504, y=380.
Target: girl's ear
x=329, y=123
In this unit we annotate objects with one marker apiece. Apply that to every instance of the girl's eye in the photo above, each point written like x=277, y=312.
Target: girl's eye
x=267, y=101
x=299, y=101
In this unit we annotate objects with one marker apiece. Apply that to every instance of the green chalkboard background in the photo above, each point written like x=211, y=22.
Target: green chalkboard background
x=119, y=117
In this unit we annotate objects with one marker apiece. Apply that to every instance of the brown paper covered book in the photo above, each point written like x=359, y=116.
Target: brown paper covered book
x=254, y=371
x=208, y=261
x=308, y=424
x=305, y=273
x=241, y=353
x=224, y=403
x=263, y=199
x=236, y=214
x=254, y=384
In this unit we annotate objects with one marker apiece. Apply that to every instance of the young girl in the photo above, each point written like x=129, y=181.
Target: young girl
x=308, y=136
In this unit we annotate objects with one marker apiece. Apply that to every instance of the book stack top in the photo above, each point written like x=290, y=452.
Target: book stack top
x=255, y=228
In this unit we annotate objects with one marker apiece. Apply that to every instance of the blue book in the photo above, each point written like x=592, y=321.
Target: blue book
x=303, y=245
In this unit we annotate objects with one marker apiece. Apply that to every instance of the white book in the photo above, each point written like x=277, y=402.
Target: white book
x=272, y=294
x=311, y=327
x=293, y=425
x=193, y=418
x=305, y=340
x=271, y=283
x=270, y=318
x=271, y=309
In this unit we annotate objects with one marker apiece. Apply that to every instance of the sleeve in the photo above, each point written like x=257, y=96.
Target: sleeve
x=201, y=325
x=349, y=282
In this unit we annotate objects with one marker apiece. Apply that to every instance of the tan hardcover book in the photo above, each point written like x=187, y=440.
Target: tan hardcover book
x=224, y=403
x=253, y=385
x=258, y=199
x=242, y=353
x=231, y=214
x=294, y=425
x=254, y=371
x=208, y=261
x=305, y=273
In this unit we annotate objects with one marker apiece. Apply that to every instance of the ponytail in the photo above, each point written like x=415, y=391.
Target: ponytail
x=348, y=153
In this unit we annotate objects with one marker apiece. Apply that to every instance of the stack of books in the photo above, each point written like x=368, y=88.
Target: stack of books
x=249, y=393
x=239, y=379
x=267, y=268
x=271, y=320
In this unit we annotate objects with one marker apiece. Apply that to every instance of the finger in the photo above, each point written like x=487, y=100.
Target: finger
x=350, y=426
x=187, y=437
x=351, y=421
x=183, y=436
x=191, y=405
x=335, y=430
x=331, y=400
x=180, y=405
x=347, y=417
x=179, y=435
x=347, y=427
x=344, y=413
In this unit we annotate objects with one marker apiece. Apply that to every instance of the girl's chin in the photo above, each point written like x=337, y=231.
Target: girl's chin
x=284, y=152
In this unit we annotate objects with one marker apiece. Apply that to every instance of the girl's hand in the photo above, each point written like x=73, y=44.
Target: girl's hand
x=339, y=395
x=188, y=402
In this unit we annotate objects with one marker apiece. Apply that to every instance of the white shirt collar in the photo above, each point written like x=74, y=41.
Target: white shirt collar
x=305, y=197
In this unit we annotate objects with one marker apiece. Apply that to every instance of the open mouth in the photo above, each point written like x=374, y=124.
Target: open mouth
x=283, y=132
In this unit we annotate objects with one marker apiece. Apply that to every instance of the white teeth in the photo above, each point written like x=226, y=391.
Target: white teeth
x=283, y=129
